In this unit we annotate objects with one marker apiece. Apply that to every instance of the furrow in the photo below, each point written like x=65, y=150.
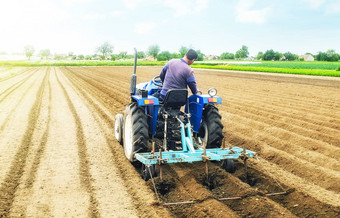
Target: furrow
x=14, y=87
x=39, y=138
x=191, y=180
x=143, y=199
x=312, y=120
x=84, y=169
x=287, y=140
x=325, y=178
x=285, y=122
x=13, y=109
x=12, y=179
x=15, y=75
x=299, y=203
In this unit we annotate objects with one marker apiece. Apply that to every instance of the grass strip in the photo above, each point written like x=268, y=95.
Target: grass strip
x=78, y=63
x=303, y=68
x=316, y=72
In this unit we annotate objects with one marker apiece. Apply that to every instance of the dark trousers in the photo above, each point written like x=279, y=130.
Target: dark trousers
x=159, y=96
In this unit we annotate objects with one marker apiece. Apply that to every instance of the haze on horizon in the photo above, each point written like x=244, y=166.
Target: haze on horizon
x=213, y=26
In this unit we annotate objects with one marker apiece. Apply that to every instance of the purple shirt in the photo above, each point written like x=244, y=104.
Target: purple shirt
x=177, y=74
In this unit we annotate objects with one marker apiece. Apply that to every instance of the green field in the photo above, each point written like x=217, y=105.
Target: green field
x=78, y=63
x=321, y=65
x=289, y=67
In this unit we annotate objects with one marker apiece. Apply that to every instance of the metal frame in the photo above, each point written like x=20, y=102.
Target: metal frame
x=216, y=154
x=190, y=154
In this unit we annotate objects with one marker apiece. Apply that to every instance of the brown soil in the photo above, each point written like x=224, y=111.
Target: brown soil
x=58, y=155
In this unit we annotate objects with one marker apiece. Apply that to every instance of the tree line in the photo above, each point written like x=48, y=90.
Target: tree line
x=271, y=55
x=105, y=52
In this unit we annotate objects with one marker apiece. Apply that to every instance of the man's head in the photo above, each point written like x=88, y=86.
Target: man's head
x=191, y=56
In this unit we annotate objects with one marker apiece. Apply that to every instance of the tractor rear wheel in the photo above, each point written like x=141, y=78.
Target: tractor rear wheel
x=135, y=131
x=211, y=127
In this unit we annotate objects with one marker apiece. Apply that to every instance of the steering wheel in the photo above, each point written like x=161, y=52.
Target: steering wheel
x=157, y=81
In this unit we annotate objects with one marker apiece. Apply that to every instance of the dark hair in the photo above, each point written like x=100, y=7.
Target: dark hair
x=191, y=54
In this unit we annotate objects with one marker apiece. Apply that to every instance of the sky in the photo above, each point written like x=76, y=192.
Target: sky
x=212, y=26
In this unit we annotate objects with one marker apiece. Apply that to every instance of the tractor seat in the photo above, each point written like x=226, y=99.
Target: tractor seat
x=175, y=98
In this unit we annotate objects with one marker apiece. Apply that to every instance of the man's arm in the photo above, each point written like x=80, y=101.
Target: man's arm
x=163, y=72
x=191, y=81
x=192, y=85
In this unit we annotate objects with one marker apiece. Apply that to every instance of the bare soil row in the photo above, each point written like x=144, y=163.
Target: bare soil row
x=63, y=159
x=106, y=79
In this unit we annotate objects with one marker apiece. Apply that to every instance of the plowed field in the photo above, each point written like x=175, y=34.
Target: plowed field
x=59, y=158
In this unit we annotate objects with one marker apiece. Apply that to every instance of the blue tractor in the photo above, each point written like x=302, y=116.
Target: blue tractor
x=177, y=129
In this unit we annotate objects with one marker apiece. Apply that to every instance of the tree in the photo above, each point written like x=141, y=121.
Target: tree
x=105, y=49
x=259, y=56
x=153, y=51
x=71, y=55
x=122, y=55
x=227, y=55
x=58, y=57
x=29, y=51
x=183, y=50
x=242, y=53
x=277, y=56
x=175, y=55
x=140, y=54
x=200, y=55
x=164, y=56
x=269, y=55
x=320, y=56
x=113, y=57
x=81, y=57
x=290, y=56
x=331, y=55
x=45, y=53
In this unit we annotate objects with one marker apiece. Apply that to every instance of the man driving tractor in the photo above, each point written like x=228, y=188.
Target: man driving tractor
x=193, y=134
x=177, y=74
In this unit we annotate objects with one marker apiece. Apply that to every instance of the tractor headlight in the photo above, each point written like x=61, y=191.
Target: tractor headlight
x=212, y=92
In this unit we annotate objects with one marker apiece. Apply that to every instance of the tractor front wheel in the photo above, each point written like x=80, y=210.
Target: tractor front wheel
x=135, y=131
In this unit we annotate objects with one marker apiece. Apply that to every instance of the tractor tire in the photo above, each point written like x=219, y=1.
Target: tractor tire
x=119, y=128
x=211, y=127
x=135, y=131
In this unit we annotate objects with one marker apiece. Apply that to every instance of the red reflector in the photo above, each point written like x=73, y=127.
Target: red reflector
x=148, y=102
x=212, y=100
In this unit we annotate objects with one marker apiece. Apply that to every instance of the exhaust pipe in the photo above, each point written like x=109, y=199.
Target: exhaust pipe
x=134, y=76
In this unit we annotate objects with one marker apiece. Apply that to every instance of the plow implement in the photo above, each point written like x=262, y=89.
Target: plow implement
x=190, y=154
x=215, y=154
x=227, y=155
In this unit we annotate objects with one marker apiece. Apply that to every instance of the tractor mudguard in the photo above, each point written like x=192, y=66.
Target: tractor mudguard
x=196, y=105
x=151, y=105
